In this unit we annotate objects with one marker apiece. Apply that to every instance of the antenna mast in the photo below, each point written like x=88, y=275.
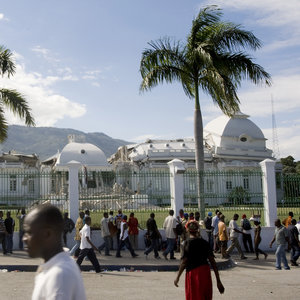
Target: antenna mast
x=276, y=153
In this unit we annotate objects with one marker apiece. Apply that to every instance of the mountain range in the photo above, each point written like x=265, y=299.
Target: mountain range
x=46, y=141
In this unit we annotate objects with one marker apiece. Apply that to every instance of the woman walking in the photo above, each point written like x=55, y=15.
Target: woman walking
x=197, y=253
x=257, y=240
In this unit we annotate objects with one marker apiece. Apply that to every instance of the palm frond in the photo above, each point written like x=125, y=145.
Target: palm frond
x=15, y=102
x=3, y=126
x=7, y=65
x=240, y=66
x=206, y=18
x=164, y=62
x=222, y=91
x=227, y=36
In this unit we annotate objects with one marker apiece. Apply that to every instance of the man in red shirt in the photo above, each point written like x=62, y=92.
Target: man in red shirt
x=133, y=231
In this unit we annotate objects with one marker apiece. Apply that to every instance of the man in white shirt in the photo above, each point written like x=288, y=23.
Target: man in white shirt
x=298, y=227
x=59, y=277
x=124, y=239
x=87, y=247
x=170, y=230
x=105, y=234
x=234, y=235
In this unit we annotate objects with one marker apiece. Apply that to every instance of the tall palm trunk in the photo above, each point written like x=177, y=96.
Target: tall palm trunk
x=199, y=153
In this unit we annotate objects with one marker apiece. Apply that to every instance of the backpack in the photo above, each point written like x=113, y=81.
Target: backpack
x=179, y=229
x=207, y=223
x=68, y=225
x=246, y=224
x=112, y=228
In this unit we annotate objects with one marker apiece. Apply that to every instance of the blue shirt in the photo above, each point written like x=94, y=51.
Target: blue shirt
x=214, y=224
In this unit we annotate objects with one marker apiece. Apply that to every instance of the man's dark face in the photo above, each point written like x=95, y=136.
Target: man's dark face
x=277, y=223
x=33, y=236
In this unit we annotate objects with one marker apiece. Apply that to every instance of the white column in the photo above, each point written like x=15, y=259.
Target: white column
x=269, y=190
x=176, y=184
x=73, y=189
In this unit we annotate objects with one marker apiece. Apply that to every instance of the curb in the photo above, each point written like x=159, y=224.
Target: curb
x=144, y=268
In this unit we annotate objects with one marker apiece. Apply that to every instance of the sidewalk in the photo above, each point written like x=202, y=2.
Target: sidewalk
x=250, y=279
x=19, y=261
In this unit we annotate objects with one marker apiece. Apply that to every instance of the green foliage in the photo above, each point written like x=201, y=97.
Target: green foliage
x=238, y=196
x=289, y=165
x=212, y=59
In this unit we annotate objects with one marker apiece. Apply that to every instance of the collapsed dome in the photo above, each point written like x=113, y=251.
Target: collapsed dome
x=84, y=153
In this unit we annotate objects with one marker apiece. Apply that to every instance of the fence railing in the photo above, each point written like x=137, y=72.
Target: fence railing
x=30, y=187
x=136, y=190
x=124, y=190
x=288, y=194
x=131, y=191
x=225, y=188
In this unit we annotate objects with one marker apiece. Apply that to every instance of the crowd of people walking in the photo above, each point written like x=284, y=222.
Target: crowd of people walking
x=181, y=233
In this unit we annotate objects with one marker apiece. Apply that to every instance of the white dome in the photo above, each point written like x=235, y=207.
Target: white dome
x=236, y=137
x=88, y=155
x=236, y=126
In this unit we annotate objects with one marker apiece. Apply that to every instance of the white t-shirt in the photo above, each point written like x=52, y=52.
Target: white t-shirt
x=169, y=224
x=233, y=225
x=59, y=279
x=104, y=227
x=84, y=233
x=298, y=227
x=124, y=231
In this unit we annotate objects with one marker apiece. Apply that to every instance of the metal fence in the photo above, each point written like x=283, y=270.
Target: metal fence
x=137, y=190
x=27, y=188
x=225, y=188
x=141, y=192
x=288, y=194
x=124, y=190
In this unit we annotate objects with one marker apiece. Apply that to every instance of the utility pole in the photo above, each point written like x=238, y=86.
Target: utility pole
x=276, y=152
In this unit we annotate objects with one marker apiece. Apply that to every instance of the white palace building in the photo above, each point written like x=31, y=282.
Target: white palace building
x=230, y=143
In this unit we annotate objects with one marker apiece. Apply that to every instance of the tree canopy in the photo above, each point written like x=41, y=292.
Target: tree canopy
x=213, y=60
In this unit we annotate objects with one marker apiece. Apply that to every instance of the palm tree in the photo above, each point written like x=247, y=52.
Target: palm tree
x=211, y=59
x=11, y=99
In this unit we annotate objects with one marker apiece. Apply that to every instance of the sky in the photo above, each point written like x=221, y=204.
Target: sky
x=78, y=66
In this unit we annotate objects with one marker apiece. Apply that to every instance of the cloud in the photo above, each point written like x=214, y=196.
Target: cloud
x=97, y=84
x=270, y=13
x=285, y=91
x=288, y=140
x=45, y=53
x=91, y=75
x=267, y=12
x=47, y=106
x=3, y=18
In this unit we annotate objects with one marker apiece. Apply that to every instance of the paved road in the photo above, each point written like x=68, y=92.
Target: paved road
x=248, y=280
